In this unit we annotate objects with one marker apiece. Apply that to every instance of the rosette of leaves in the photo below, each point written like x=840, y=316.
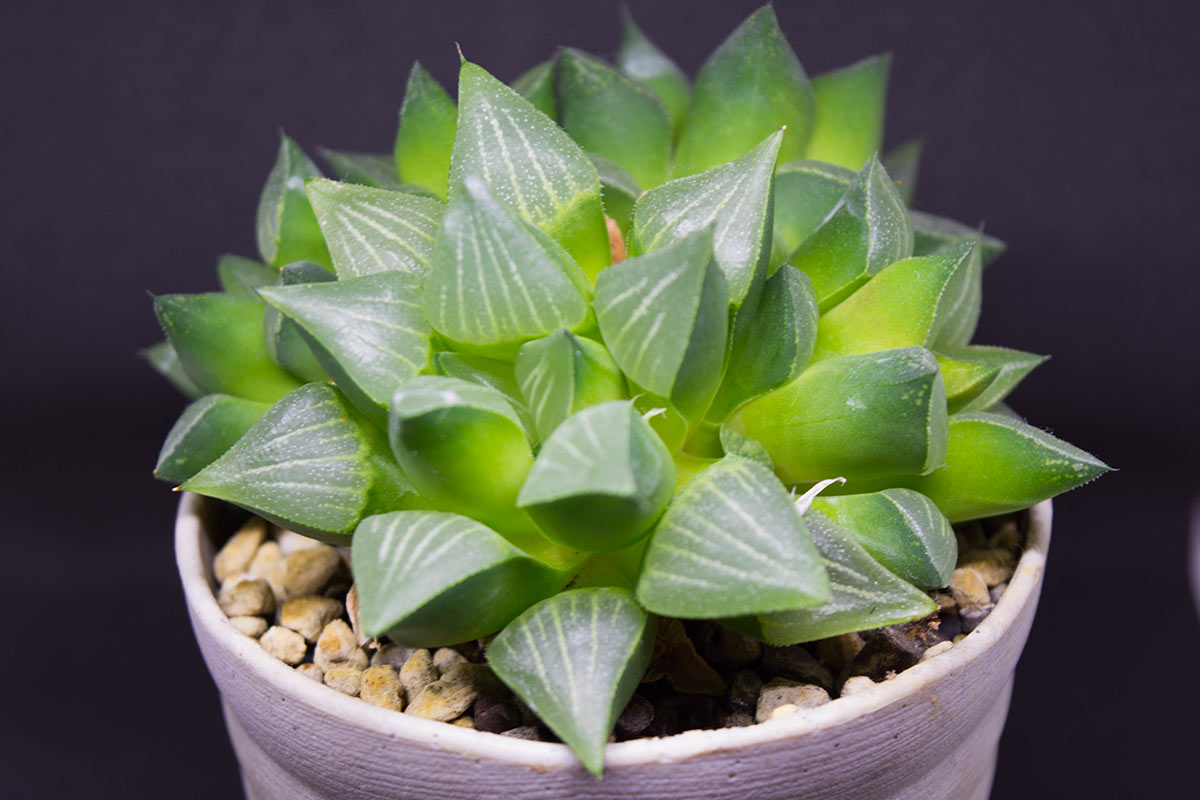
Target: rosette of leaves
x=441, y=359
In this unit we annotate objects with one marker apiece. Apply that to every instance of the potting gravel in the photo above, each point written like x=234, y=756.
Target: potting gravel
x=295, y=596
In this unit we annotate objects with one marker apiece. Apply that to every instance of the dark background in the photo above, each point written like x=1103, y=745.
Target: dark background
x=136, y=138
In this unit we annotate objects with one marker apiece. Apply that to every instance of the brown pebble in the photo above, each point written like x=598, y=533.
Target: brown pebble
x=245, y=596
x=781, y=691
x=352, y=613
x=311, y=670
x=381, y=686
x=417, y=673
x=346, y=679
x=796, y=663
x=286, y=645
x=478, y=676
x=738, y=719
x=838, y=651
x=994, y=566
x=496, y=716
x=636, y=717
x=236, y=555
x=265, y=559
x=444, y=658
x=290, y=541
x=306, y=571
x=529, y=732
x=886, y=650
x=744, y=689
x=1007, y=536
x=728, y=647
x=944, y=601
x=337, y=646
x=968, y=588
x=308, y=615
x=464, y=722
x=442, y=701
x=392, y=655
x=973, y=615
x=253, y=627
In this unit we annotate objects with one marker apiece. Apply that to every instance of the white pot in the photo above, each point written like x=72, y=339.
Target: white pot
x=929, y=734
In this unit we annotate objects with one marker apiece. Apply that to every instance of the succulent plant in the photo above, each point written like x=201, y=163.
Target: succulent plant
x=584, y=350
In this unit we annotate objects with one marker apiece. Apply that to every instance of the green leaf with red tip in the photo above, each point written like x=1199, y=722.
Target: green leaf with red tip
x=495, y=281
x=286, y=228
x=860, y=417
x=865, y=595
x=640, y=59
x=600, y=481
x=432, y=578
x=205, y=430
x=375, y=230
x=425, y=135
x=731, y=543
x=561, y=374
x=613, y=116
x=368, y=333
x=311, y=464
x=576, y=659
x=530, y=165
x=868, y=230
x=218, y=339
x=751, y=86
x=850, y=101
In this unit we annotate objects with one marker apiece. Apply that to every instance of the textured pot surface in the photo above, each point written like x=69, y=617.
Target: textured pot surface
x=929, y=734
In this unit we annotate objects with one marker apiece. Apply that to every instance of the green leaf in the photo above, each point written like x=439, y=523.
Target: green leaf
x=531, y=165
x=932, y=234
x=426, y=133
x=865, y=416
x=430, y=578
x=564, y=373
x=775, y=346
x=613, y=116
x=368, y=333
x=495, y=281
x=751, y=86
x=600, y=481
x=368, y=169
x=219, y=341
x=375, y=230
x=619, y=191
x=641, y=60
x=735, y=443
x=163, y=359
x=734, y=200
x=965, y=379
x=868, y=230
x=489, y=372
x=850, y=111
x=537, y=86
x=805, y=193
x=241, y=276
x=865, y=595
x=286, y=229
x=901, y=529
x=463, y=446
x=205, y=430
x=311, y=464
x=619, y=569
x=995, y=465
x=1012, y=366
x=903, y=163
x=576, y=659
x=284, y=342
x=664, y=318
x=731, y=543
x=915, y=301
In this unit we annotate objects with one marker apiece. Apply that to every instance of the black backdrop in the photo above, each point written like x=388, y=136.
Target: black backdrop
x=136, y=138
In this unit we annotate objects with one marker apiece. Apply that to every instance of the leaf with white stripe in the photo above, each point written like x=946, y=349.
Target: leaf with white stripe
x=368, y=333
x=916, y=301
x=496, y=282
x=664, y=318
x=311, y=464
x=489, y=372
x=373, y=230
x=865, y=595
x=903, y=530
x=431, y=578
x=734, y=200
x=867, y=230
x=530, y=164
x=731, y=543
x=600, y=481
x=285, y=227
x=576, y=659
x=563, y=373
x=205, y=430
x=284, y=342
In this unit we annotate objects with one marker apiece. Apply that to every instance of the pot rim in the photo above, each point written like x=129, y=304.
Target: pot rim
x=194, y=573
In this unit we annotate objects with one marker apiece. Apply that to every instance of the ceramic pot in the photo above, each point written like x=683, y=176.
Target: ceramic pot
x=929, y=734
